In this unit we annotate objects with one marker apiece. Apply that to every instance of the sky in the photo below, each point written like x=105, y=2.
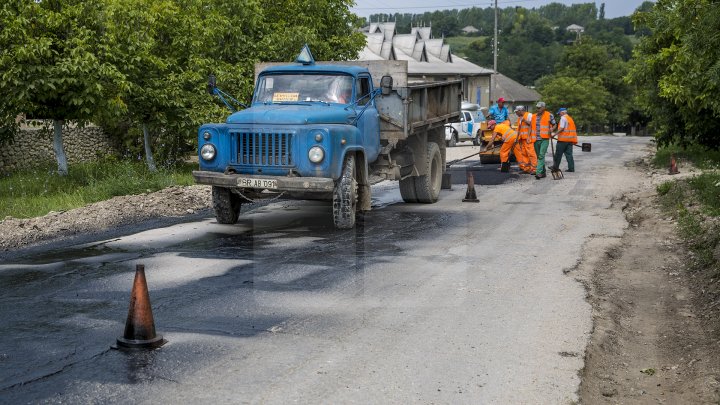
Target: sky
x=363, y=8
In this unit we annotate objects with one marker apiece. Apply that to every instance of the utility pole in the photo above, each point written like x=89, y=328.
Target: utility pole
x=495, y=52
x=495, y=38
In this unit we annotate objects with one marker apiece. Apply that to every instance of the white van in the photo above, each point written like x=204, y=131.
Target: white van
x=468, y=129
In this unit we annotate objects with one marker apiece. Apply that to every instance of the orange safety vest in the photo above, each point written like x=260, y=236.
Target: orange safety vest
x=508, y=134
x=523, y=129
x=569, y=134
x=544, y=131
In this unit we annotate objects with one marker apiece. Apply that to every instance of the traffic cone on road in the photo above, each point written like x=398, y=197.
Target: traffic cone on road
x=140, y=325
x=673, y=165
x=470, y=195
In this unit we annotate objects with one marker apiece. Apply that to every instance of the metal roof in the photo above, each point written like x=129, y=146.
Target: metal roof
x=425, y=55
x=512, y=91
x=298, y=67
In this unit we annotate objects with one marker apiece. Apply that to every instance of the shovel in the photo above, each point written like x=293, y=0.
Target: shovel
x=586, y=147
x=557, y=174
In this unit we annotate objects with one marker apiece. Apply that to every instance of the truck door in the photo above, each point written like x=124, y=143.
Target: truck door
x=469, y=120
x=368, y=124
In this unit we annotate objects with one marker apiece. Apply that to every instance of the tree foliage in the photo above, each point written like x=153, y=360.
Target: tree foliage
x=676, y=70
x=132, y=64
x=584, y=97
x=52, y=55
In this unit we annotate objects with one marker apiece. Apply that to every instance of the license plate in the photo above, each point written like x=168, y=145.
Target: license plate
x=257, y=183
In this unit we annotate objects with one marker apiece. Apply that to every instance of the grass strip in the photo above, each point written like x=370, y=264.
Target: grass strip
x=36, y=192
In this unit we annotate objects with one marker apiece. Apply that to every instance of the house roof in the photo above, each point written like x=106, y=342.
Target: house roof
x=469, y=29
x=425, y=55
x=575, y=28
x=513, y=91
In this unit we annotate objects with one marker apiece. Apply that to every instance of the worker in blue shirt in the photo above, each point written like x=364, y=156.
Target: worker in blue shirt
x=500, y=112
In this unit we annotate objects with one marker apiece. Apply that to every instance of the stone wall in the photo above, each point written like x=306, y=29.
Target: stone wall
x=34, y=146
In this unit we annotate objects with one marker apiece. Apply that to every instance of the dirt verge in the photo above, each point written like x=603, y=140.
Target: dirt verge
x=171, y=202
x=648, y=343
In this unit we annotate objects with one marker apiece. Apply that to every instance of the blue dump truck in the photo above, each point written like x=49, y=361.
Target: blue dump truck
x=322, y=130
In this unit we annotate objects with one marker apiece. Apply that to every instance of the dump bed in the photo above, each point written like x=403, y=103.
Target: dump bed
x=410, y=107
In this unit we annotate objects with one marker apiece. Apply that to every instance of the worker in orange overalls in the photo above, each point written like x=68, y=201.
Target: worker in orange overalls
x=528, y=161
x=509, y=138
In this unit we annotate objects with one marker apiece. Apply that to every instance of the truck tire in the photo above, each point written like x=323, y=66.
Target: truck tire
x=226, y=205
x=476, y=139
x=345, y=196
x=407, y=190
x=427, y=187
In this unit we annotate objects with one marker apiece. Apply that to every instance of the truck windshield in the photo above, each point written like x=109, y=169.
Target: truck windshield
x=289, y=88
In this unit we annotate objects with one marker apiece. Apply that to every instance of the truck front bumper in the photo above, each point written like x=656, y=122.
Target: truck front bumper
x=303, y=184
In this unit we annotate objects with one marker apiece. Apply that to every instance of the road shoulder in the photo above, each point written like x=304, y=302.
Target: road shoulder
x=648, y=345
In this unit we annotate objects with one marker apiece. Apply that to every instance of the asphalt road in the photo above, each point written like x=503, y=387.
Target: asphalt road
x=445, y=303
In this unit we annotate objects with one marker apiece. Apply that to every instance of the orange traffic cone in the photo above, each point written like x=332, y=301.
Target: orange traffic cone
x=673, y=165
x=470, y=195
x=140, y=326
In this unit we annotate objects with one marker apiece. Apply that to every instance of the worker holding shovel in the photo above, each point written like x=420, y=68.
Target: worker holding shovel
x=566, y=136
x=542, y=125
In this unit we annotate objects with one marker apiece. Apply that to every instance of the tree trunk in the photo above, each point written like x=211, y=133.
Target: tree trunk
x=59, y=150
x=148, y=151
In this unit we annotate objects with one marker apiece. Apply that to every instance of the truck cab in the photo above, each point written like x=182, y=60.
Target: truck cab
x=301, y=122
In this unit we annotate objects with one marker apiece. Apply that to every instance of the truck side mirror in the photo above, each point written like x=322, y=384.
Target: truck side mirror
x=386, y=83
x=211, y=84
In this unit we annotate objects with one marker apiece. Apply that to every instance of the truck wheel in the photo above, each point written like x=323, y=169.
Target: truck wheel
x=345, y=196
x=427, y=187
x=407, y=190
x=226, y=205
x=476, y=139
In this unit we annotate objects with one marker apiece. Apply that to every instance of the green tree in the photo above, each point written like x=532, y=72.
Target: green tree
x=327, y=26
x=52, y=55
x=585, y=98
x=676, y=70
x=604, y=64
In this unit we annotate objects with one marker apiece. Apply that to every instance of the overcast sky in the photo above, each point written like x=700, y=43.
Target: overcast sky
x=363, y=8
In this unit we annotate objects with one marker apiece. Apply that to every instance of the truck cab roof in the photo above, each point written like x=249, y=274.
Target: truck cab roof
x=299, y=68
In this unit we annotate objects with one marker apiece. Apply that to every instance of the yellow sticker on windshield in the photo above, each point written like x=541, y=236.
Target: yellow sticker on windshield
x=286, y=96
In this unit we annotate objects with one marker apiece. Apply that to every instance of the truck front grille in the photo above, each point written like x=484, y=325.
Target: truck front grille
x=264, y=149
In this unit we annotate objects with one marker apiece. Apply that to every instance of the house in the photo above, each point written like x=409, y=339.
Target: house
x=431, y=59
x=578, y=30
x=513, y=92
x=470, y=30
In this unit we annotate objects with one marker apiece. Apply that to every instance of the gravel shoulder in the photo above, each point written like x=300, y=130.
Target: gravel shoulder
x=114, y=216
x=653, y=340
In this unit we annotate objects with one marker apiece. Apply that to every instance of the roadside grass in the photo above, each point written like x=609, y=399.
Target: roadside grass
x=36, y=192
x=695, y=203
x=697, y=155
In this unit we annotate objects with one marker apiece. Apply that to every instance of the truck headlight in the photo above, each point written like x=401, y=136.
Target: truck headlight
x=208, y=152
x=316, y=154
